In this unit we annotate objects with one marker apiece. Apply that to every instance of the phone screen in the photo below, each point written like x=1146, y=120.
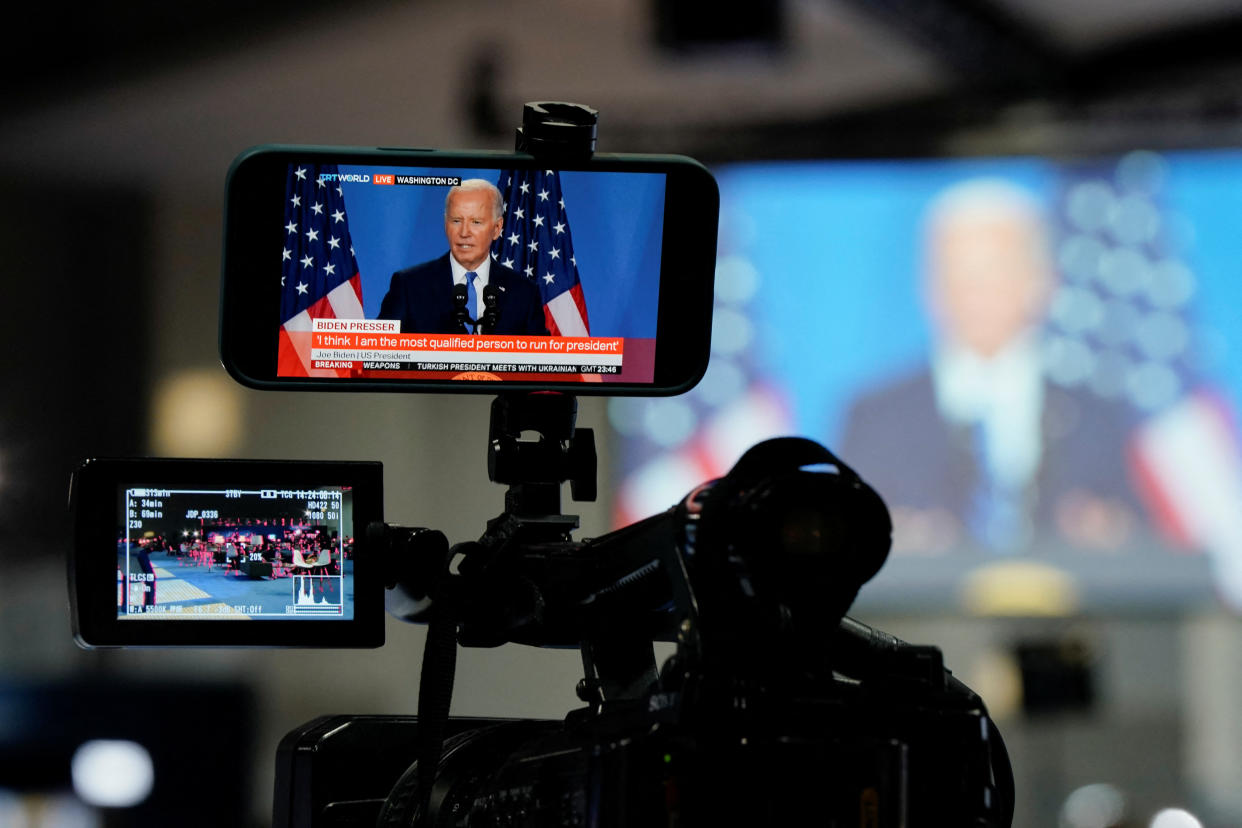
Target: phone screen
x=421, y=270
x=444, y=273
x=198, y=552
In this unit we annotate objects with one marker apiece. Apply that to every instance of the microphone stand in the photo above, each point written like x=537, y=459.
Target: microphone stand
x=491, y=309
x=460, y=313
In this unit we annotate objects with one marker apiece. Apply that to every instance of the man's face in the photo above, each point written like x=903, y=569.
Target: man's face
x=471, y=226
x=990, y=281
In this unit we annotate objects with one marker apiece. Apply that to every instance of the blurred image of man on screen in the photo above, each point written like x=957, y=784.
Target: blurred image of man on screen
x=976, y=448
x=422, y=297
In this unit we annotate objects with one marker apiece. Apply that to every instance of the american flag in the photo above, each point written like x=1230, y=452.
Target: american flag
x=1125, y=310
x=1119, y=326
x=536, y=242
x=319, y=274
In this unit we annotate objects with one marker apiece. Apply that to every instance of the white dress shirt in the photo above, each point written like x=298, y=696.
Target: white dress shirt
x=1004, y=395
x=459, y=278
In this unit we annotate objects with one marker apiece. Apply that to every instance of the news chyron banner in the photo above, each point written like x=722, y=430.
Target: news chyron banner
x=379, y=345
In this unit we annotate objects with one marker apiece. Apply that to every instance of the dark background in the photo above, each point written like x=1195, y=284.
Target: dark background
x=118, y=129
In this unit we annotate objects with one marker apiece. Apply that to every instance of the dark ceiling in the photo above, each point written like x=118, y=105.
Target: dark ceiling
x=994, y=54
x=55, y=52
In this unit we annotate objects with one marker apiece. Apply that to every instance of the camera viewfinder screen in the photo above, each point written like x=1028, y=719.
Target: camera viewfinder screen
x=212, y=553
x=471, y=274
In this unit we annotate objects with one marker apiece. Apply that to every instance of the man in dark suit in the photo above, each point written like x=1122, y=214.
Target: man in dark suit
x=421, y=297
x=977, y=447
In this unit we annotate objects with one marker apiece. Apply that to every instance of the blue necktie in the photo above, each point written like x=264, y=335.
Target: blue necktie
x=472, y=297
x=996, y=517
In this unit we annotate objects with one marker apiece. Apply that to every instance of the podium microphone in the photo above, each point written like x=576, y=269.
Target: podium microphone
x=460, y=314
x=491, y=309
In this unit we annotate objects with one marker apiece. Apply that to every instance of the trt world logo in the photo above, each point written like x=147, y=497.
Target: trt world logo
x=351, y=178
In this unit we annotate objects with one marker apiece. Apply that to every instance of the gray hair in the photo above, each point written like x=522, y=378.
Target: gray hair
x=980, y=199
x=474, y=185
x=991, y=199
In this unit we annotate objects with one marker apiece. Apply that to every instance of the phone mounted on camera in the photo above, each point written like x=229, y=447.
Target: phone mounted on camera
x=773, y=696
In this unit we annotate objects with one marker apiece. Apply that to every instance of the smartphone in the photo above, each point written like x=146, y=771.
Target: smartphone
x=408, y=269
x=236, y=553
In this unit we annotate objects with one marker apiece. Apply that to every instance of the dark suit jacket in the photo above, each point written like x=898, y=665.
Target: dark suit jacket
x=422, y=298
x=897, y=440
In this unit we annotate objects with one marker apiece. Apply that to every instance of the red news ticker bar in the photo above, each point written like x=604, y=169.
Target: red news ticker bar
x=480, y=343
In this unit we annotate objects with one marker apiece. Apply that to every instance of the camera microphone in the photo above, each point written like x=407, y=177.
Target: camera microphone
x=491, y=309
x=460, y=314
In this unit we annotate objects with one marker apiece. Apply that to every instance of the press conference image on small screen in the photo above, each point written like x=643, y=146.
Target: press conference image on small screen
x=473, y=274
x=208, y=553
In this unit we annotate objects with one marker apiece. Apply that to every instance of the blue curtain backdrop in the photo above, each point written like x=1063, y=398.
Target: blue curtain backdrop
x=1204, y=192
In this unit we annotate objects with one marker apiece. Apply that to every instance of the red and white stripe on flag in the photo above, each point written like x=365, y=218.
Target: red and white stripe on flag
x=566, y=314
x=1190, y=468
x=294, y=354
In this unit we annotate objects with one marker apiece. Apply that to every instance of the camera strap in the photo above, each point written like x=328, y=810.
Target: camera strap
x=435, y=694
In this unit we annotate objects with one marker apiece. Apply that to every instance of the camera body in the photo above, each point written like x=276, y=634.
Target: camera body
x=905, y=749
x=775, y=709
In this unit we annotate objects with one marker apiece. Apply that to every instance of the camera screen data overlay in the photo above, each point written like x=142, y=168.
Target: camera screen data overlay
x=218, y=553
x=440, y=274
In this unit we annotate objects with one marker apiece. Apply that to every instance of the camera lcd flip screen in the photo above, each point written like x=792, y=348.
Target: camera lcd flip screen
x=187, y=553
x=351, y=270
x=225, y=553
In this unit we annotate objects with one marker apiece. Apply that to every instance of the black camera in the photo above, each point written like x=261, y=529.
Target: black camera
x=775, y=708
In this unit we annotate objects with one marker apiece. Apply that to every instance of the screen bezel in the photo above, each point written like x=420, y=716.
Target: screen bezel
x=249, y=296
x=92, y=596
